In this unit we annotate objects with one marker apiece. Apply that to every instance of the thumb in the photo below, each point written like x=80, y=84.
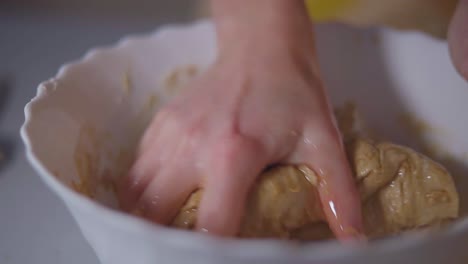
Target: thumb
x=337, y=190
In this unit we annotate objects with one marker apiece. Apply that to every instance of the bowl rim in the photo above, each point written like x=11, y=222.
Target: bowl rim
x=195, y=242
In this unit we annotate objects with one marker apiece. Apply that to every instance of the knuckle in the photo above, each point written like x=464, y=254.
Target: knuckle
x=230, y=146
x=172, y=116
x=227, y=148
x=172, y=121
x=193, y=130
x=234, y=147
x=182, y=123
x=163, y=114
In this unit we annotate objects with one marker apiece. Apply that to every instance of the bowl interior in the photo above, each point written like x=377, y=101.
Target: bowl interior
x=84, y=125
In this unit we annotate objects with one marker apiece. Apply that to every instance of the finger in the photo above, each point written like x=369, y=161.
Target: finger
x=135, y=182
x=458, y=38
x=234, y=169
x=166, y=194
x=155, y=152
x=336, y=185
x=145, y=168
x=160, y=125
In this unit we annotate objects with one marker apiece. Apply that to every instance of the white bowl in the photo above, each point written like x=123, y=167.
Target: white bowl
x=84, y=123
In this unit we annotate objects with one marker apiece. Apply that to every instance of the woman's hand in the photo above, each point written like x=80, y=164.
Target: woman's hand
x=262, y=102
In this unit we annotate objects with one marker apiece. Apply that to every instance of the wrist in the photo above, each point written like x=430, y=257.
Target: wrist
x=264, y=24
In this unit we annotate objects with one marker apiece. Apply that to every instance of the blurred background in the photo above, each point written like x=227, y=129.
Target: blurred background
x=36, y=37
x=107, y=8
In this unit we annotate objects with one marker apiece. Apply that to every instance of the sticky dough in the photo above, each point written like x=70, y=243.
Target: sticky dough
x=400, y=190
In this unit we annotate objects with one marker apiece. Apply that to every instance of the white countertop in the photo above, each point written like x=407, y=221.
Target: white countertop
x=35, y=226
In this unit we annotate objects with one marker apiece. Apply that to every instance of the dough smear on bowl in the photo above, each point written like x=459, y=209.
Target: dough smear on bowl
x=400, y=190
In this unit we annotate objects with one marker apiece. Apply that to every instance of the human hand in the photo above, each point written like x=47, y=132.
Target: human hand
x=261, y=103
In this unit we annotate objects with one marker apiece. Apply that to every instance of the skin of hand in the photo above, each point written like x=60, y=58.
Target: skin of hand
x=458, y=38
x=261, y=103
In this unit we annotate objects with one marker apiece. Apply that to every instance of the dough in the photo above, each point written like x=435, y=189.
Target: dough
x=400, y=190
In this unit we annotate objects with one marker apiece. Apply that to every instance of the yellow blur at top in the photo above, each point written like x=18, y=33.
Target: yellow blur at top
x=430, y=16
x=322, y=10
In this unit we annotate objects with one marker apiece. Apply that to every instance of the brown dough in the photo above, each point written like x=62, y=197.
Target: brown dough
x=400, y=190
